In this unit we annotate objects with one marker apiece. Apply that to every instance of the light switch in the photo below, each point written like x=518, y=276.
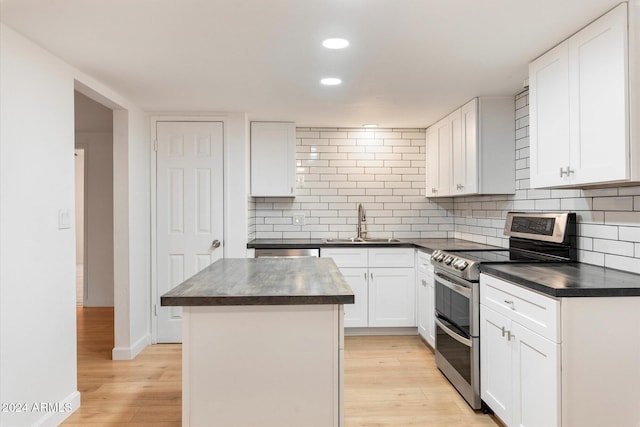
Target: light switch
x=64, y=219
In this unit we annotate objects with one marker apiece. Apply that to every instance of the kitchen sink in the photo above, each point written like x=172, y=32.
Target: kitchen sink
x=362, y=240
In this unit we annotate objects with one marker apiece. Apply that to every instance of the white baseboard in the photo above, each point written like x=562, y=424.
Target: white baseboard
x=128, y=353
x=351, y=332
x=65, y=408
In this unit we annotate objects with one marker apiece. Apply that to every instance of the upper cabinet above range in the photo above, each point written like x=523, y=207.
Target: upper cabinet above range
x=472, y=150
x=273, y=159
x=583, y=100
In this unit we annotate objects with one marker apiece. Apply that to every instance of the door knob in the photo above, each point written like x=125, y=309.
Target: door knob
x=215, y=244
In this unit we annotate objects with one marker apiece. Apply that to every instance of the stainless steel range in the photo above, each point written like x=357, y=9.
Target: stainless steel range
x=533, y=237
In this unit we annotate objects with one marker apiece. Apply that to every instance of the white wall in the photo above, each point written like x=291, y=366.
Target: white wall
x=98, y=264
x=94, y=133
x=37, y=260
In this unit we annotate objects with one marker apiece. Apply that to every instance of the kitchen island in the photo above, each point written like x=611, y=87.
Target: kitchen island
x=263, y=343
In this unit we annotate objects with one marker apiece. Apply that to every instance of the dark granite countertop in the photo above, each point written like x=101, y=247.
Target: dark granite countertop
x=428, y=245
x=263, y=281
x=568, y=280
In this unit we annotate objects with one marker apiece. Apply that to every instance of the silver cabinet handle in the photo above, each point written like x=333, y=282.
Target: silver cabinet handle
x=567, y=172
x=459, y=186
x=371, y=276
x=215, y=244
x=503, y=331
x=509, y=303
x=365, y=275
x=510, y=335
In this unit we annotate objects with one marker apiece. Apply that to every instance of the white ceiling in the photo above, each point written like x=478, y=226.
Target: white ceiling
x=410, y=61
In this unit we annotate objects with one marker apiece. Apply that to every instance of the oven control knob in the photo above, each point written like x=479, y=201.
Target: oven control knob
x=448, y=260
x=435, y=254
x=462, y=265
x=440, y=257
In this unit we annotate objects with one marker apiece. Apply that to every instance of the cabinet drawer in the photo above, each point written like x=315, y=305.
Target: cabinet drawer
x=424, y=262
x=346, y=257
x=534, y=311
x=391, y=257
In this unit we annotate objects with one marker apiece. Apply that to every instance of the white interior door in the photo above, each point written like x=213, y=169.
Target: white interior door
x=189, y=205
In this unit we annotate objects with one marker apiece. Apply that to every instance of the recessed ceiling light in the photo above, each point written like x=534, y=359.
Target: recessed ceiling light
x=369, y=126
x=331, y=81
x=335, y=43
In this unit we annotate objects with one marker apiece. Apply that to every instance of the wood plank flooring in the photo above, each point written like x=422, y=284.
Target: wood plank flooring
x=389, y=381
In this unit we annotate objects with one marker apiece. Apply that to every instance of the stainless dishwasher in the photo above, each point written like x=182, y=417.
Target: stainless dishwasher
x=288, y=253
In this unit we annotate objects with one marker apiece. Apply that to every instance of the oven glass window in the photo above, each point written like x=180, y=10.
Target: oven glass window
x=458, y=355
x=454, y=307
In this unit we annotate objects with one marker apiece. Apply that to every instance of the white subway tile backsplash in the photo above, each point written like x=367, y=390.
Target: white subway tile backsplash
x=622, y=263
x=613, y=247
x=385, y=170
x=598, y=231
x=613, y=203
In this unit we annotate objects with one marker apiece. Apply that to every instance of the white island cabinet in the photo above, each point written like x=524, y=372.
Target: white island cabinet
x=263, y=343
x=548, y=361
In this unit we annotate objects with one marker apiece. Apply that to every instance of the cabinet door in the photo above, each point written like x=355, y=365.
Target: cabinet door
x=446, y=131
x=356, y=314
x=536, y=379
x=433, y=162
x=439, y=159
x=598, y=102
x=423, y=305
x=549, y=117
x=392, y=297
x=431, y=310
x=464, y=151
x=273, y=161
x=495, y=361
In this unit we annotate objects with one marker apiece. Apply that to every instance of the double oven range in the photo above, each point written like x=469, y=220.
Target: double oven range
x=533, y=237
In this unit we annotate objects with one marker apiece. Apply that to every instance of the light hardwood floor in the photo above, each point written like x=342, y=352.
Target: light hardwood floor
x=389, y=381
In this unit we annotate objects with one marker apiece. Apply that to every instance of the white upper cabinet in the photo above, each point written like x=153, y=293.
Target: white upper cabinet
x=580, y=122
x=475, y=151
x=439, y=158
x=273, y=159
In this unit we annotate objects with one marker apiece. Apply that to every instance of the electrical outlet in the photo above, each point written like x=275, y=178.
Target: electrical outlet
x=298, y=219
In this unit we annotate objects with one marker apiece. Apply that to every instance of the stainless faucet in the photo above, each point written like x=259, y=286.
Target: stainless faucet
x=362, y=218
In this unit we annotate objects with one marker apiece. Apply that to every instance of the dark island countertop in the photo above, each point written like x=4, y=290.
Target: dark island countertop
x=428, y=245
x=263, y=281
x=568, y=280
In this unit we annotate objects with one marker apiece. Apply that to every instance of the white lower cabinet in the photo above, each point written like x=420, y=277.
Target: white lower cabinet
x=519, y=368
x=520, y=372
x=426, y=298
x=383, y=283
x=558, y=361
x=356, y=315
x=392, y=297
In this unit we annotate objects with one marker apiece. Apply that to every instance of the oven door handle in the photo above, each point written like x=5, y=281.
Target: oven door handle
x=452, y=334
x=453, y=285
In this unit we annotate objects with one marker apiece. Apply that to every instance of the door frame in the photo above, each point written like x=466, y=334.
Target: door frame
x=154, y=120
x=85, y=193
